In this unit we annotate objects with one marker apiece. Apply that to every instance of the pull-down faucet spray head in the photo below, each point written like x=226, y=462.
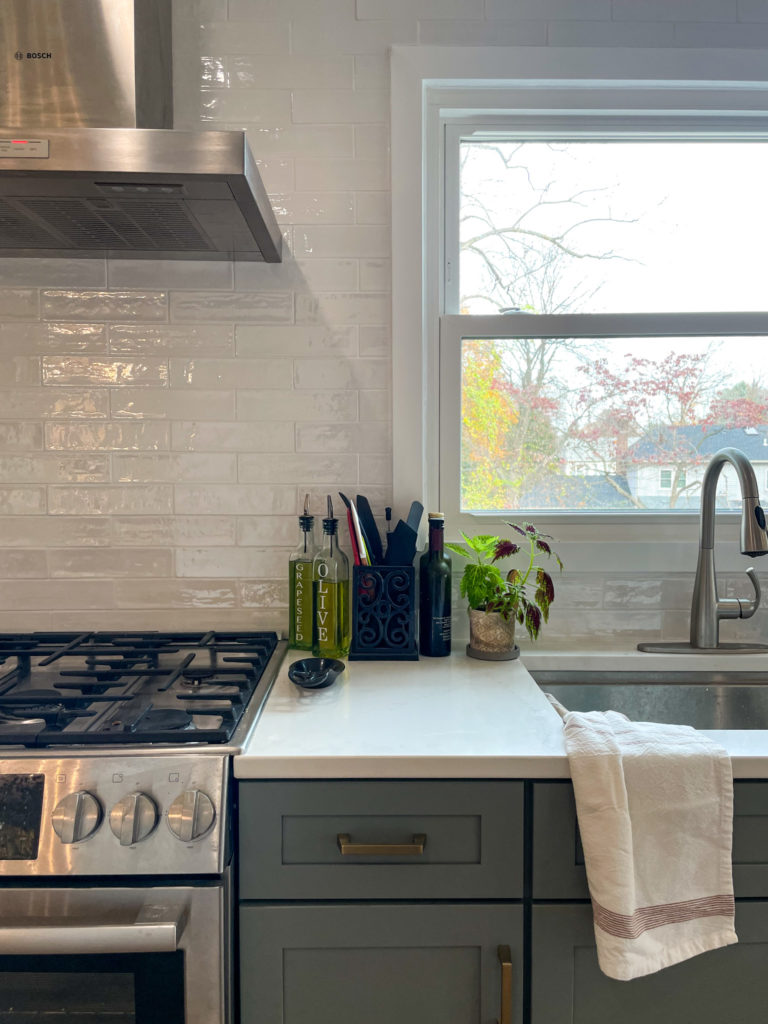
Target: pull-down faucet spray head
x=754, y=539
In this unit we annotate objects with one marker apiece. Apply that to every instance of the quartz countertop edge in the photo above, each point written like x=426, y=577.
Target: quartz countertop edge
x=445, y=718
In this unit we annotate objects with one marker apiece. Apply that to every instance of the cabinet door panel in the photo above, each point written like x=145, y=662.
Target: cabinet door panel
x=724, y=986
x=331, y=964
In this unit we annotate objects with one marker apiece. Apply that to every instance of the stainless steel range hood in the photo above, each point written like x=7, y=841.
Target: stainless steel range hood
x=89, y=163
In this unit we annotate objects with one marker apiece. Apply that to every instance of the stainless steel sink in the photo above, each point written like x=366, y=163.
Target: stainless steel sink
x=704, y=700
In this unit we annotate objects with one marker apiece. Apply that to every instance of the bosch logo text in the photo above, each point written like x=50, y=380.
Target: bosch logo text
x=33, y=55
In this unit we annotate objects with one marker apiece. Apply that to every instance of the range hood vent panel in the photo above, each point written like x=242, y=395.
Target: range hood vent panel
x=89, y=165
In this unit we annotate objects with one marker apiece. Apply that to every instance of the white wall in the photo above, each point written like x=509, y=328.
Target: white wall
x=161, y=422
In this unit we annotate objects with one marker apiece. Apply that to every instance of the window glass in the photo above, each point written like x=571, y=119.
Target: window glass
x=612, y=226
x=597, y=424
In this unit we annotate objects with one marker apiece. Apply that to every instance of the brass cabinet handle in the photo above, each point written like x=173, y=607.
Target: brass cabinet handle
x=350, y=849
x=505, y=959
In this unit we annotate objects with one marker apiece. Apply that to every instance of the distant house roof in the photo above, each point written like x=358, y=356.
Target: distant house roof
x=587, y=492
x=702, y=440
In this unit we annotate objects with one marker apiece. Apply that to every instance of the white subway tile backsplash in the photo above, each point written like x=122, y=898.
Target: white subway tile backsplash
x=266, y=531
x=371, y=71
x=345, y=373
x=167, y=274
x=313, y=208
x=170, y=467
x=379, y=9
x=86, y=371
x=54, y=468
x=344, y=437
x=333, y=106
x=296, y=140
x=231, y=37
x=110, y=562
x=230, y=563
x=673, y=10
x=175, y=594
x=376, y=275
x=18, y=303
x=441, y=32
x=21, y=437
x=295, y=8
x=42, y=404
x=343, y=307
x=23, y=564
x=330, y=469
x=232, y=437
x=172, y=404
x=264, y=593
x=313, y=34
x=53, y=273
x=172, y=339
x=252, y=106
x=323, y=406
x=376, y=405
x=126, y=500
x=231, y=373
x=703, y=34
x=54, y=531
x=74, y=338
x=173, y=531
x=57, y=595
x=339, y=173
x=322, y=240
x=252, y=341
x=237, y=500
x=24, y=370
x=618, y=33
x=372, y=207
x=258, y=306
x=592, y=10
x=374, y=341
x=107, y=436
x=21, y=501
x=76, y=304
x=752, y=10
x=270, y=71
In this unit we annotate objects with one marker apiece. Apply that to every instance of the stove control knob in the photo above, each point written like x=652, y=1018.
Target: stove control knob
x=191, y=815
x=76, y=817
x=133, y=818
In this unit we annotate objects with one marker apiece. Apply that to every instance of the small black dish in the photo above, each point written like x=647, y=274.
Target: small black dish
x=315, y=673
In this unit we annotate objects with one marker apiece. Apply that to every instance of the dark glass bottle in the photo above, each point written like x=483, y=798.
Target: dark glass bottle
x=330, y=589
x=435, y=593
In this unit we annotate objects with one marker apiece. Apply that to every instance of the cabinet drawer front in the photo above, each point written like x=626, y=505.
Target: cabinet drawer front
x=558, y=859
x=381, y=840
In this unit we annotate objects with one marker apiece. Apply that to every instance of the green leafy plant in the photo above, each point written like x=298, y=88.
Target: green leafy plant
x=524, y=593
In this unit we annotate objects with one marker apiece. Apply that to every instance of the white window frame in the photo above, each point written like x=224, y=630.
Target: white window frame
x=436, y=86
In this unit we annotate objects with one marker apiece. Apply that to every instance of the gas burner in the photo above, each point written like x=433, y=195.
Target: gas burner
x=128, y=688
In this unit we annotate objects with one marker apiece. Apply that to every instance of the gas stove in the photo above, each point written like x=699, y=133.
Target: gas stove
x=132, y=689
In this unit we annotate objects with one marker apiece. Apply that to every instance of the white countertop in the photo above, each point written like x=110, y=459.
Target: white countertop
x=449, y=718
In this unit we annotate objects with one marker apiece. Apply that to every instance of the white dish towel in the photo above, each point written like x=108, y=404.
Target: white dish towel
x=655, y=812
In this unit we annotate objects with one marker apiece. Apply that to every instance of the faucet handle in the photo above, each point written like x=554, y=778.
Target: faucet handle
x=748, y=608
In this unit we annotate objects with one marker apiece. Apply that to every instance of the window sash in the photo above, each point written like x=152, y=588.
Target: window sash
x=455, y=328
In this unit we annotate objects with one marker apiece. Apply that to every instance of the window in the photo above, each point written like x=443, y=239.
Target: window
x=582, y=255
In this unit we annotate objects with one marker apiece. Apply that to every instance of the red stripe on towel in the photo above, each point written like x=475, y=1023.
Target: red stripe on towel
x=631, y=926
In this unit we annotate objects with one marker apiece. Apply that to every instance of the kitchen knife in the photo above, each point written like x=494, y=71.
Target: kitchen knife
x=363, y=548
x=370, y=529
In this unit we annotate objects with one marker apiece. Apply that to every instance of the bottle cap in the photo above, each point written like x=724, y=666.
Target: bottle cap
x=330, y=522
x=435, y=515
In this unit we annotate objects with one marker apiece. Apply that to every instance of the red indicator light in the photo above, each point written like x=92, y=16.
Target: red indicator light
x=19, y=142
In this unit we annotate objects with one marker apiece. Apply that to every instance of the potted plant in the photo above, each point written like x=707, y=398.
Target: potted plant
x=497, y=600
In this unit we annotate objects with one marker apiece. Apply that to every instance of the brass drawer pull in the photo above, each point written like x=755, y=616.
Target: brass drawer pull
x=505, y=959
x=350, y=849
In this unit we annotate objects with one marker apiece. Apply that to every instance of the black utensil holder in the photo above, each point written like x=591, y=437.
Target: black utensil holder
x=383, y=613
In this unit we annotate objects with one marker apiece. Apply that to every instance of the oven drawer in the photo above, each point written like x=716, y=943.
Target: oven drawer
x=381, y=840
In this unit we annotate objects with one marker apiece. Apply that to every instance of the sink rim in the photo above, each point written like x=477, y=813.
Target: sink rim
x=647, y=677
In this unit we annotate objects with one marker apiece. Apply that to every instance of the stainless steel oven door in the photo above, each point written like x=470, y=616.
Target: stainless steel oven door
x=143, y=955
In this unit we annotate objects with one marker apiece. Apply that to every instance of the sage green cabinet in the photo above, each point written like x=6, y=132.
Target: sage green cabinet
x=724, y=986
x=378, y=964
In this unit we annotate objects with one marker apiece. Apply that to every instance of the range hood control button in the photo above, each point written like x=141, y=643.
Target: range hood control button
x=76, y=817
x=133, y=818
x=191, y=815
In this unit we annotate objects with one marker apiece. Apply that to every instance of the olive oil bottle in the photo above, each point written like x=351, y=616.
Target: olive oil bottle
x=300, y=583
x=331, y=633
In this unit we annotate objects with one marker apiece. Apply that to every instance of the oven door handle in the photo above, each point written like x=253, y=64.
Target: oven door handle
x=153, y=928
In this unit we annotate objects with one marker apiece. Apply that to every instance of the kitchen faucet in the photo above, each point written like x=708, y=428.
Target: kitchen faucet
x=707, y=609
